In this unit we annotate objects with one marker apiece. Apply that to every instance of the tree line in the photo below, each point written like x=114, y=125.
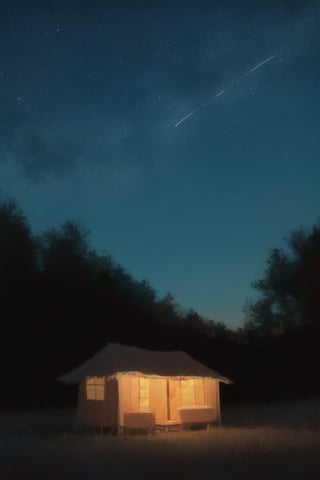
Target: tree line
x=61, y=301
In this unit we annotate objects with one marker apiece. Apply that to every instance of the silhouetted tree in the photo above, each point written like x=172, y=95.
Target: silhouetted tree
x=193, y=321
x=219, y=330
x=289, y=292
x=168, y=311
x=64, y=250
x=17, y=248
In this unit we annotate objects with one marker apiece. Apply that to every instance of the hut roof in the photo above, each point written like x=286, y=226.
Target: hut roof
x=115, y=359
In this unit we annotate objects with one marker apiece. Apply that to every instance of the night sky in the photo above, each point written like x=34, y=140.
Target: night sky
x=90, y=93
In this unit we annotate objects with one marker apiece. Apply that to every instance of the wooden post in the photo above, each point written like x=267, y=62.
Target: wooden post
x=168, y=399
x=218, y=403
x=118, y=407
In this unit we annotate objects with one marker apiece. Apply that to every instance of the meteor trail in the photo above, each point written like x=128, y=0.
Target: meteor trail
x=221, y=92
x=255, y=68
x=262, y=63
x=185, y=118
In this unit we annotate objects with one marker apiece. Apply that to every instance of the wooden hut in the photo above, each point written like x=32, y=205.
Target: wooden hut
x=127, y=387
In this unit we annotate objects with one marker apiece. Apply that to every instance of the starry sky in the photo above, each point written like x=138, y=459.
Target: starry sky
x=90, y=93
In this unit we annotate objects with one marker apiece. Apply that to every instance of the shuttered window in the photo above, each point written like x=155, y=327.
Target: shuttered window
x=95, y=388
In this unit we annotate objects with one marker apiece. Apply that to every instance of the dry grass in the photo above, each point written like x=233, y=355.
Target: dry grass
x=41, y=445
x=298, y=414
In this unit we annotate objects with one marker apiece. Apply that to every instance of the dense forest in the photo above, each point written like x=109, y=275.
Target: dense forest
x=61, y=301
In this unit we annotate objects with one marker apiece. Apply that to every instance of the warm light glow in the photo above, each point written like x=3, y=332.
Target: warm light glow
x=144, y=394
x=95, y=388
x=187, y=392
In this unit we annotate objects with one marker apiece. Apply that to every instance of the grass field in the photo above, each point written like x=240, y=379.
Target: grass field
x=256, y=442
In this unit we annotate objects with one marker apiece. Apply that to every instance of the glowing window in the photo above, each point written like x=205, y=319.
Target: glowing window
x=95, y=388
x=144, y=394
x=187, y=392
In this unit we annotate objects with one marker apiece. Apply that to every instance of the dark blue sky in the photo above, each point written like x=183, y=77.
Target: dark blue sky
x=90, y=93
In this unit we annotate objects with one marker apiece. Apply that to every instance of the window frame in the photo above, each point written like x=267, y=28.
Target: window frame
x=95, y=388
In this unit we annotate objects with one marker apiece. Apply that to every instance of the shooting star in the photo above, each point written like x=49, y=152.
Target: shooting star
x=253, y=69
x=185, y=118
x=205, y=104
x=221, y=92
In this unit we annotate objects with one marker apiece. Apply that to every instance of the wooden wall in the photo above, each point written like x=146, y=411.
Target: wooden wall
x=98, y=413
